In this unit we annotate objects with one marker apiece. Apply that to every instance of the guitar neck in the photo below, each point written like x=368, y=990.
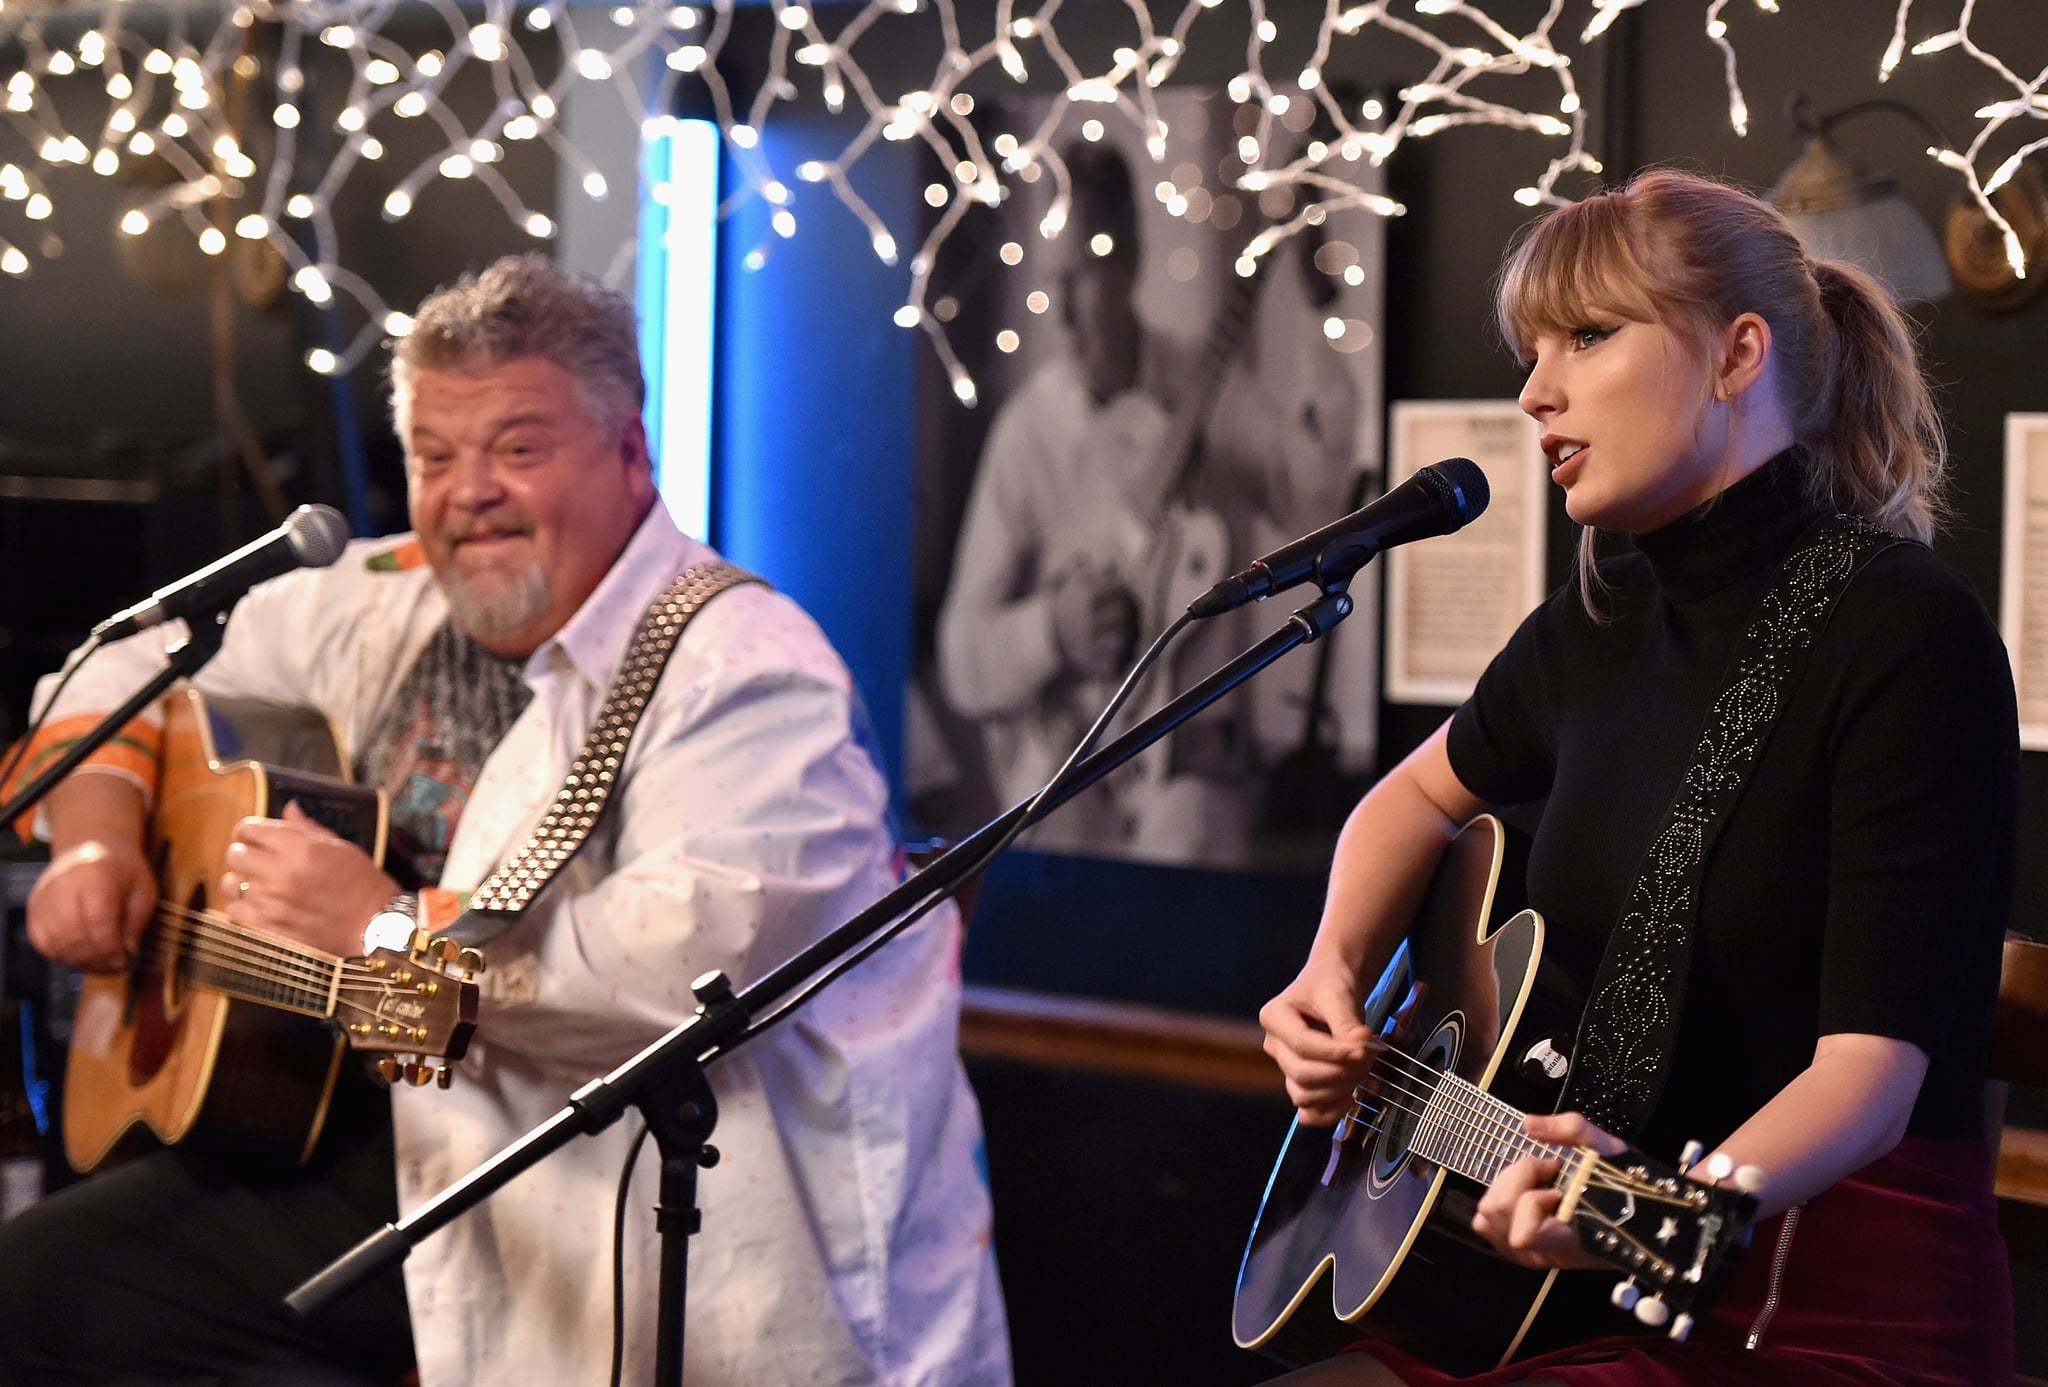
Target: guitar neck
x=1226, y=334
x=207, y=950
x=1466, y=1129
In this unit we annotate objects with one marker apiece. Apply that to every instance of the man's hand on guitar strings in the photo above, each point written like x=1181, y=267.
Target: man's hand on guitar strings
x=1313, y=1032
x=91, y=904
x=299, y=878
x=1518, y=1212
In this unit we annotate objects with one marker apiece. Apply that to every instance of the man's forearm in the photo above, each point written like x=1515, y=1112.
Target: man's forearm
x=95, y=806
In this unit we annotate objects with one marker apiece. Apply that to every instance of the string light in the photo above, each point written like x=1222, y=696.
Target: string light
x=1992, y=118
x=648, y=49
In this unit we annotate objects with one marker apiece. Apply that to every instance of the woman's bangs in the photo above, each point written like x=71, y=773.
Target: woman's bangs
x=1574, y=265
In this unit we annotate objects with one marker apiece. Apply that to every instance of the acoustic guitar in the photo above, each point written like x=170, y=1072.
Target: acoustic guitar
x=1478, y=1031
x=231, y=1035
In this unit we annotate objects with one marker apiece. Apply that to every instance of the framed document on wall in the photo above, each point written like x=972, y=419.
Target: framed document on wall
x=1453, y=601
x=2023, y=580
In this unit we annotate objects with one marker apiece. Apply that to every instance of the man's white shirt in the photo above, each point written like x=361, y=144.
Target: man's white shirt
x=846, y=1235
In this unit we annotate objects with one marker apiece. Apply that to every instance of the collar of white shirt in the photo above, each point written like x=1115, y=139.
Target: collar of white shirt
x=595, y=637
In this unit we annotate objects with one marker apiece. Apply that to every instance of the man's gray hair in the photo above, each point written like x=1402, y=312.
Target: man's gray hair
x=526, y=306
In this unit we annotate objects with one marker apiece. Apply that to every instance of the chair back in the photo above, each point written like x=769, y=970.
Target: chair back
x=2019, y=1027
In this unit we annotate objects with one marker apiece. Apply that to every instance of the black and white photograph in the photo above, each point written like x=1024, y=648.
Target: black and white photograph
x=1157, y=418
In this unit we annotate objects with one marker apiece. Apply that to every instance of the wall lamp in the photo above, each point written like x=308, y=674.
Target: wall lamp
x=1840, y=211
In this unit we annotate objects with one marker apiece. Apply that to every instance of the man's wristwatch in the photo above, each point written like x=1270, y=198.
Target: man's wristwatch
x=394, y=924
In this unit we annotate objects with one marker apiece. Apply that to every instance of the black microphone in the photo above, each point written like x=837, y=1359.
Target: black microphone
x=1435, y=501
x=311, y=537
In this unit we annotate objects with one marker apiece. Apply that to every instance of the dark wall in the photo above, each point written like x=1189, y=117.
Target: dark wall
x=112, y=366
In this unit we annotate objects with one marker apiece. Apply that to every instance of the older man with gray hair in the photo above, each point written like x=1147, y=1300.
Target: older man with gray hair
x=846, y=1231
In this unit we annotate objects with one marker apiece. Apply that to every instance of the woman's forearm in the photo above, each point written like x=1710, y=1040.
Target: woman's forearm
x=1846, y=1109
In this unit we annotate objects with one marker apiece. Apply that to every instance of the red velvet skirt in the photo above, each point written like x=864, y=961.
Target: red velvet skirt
x=1895, y=1277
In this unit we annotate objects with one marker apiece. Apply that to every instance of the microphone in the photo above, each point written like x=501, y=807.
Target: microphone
x=311, y=537
x=1442, y=497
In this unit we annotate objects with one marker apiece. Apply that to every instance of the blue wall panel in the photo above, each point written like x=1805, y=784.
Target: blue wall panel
x=816, y=413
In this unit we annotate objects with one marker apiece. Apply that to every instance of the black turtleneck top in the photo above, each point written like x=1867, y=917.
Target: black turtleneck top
x=1861, y=885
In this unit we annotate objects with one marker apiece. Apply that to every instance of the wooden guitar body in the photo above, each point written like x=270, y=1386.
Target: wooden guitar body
x=157, y=1053
x=1366, y=1228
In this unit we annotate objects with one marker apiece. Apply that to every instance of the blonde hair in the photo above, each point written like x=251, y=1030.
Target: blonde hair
x=1695, y=254
x=525, y=306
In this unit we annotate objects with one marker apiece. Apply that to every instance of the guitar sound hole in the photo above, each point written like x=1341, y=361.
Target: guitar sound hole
x=173, y=964
x=1407, y=1087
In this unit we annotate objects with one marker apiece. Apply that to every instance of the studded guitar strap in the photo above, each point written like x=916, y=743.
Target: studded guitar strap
x=1630, y=1026
x=497, y=904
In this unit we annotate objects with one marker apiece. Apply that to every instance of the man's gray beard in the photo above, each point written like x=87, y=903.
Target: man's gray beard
x=500, y=607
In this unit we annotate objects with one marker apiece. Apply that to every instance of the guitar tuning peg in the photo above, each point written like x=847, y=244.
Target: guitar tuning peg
x=442, y=949
x=470, y=961
x=1625, y=1295
x=1749, y=1179
x=1652, y=1310
x=418, y=1074
x=1720, y=1166
x=1681, y=1328
x=1690, y=1157
x=388, y=1069
x=443, y=1076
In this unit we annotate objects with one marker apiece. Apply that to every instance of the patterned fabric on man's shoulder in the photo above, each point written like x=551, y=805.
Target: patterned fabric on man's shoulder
x=400, y=556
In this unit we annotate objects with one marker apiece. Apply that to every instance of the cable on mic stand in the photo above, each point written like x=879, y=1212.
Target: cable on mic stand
x=666, y=1080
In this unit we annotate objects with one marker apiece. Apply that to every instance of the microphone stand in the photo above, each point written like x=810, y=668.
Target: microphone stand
x=666, y=1081
x=182, y=661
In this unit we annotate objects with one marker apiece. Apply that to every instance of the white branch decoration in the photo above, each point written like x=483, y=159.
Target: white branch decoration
x=208, y=60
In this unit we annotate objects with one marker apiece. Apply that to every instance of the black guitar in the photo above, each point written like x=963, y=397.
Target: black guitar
x=1478, y=1032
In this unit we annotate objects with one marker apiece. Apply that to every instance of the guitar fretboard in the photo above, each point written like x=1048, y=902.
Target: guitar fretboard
x=209, y=951
x=1466, y=1129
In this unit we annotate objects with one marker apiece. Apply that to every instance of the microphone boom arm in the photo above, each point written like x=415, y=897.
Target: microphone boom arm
x=673, y=1065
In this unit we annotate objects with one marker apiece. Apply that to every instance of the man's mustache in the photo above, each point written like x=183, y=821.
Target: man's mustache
x=486, y=527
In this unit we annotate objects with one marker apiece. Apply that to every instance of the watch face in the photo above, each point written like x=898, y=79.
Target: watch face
x=389, y=929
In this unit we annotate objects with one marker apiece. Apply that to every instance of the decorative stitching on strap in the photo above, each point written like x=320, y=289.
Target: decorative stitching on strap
x=1630, y=1026
x=582, y=798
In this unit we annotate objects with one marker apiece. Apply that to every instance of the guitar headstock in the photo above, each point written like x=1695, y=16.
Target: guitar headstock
x=408, y=1008
x=1677, y=1238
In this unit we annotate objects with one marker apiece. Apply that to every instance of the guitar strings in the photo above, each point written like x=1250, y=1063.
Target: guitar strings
x=252, y=942
x=1453, y=1110
x=226, y=940
x=1470, y=1101
x=238, y=969
x=1465, y=1115
x=206, y=947
x=1603, y=1175
x=1462, y=1111
x=211, y=940
x=232, y=973
x=222, y=962
x=1431, y=1079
